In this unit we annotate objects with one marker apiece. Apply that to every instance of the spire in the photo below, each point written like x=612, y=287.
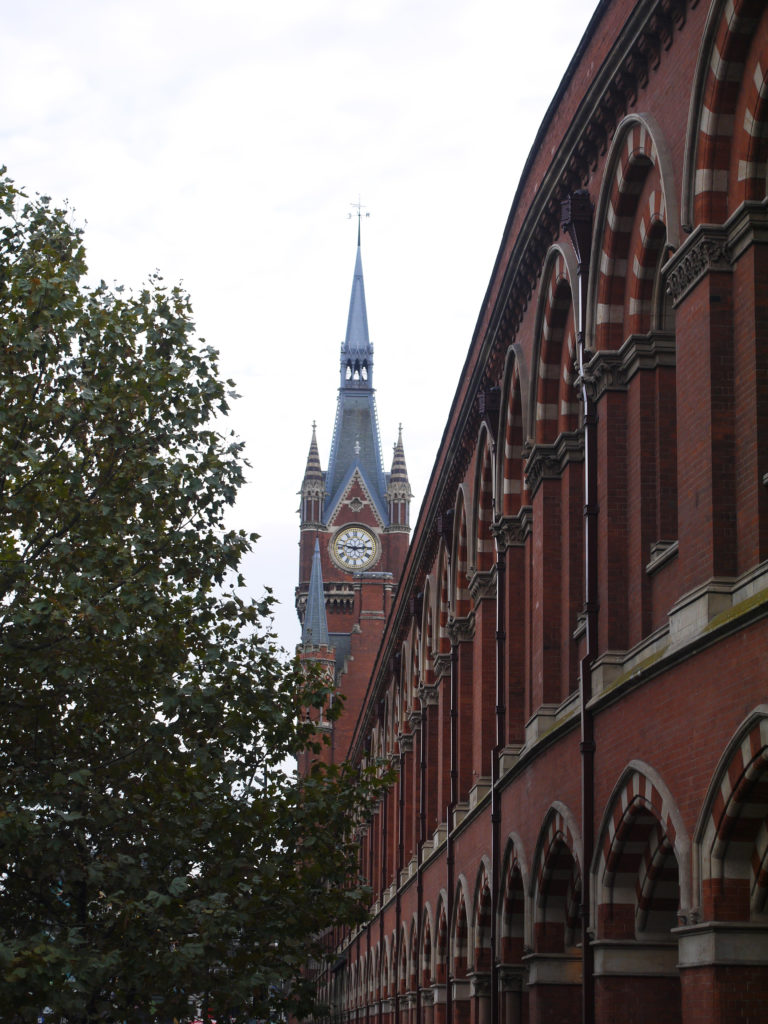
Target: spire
x=313, y=484
x=356, y=431
x=314, y=632
x=399, y=492
x=357, y=351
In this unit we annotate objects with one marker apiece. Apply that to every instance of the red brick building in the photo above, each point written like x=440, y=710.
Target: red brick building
x=572, y=677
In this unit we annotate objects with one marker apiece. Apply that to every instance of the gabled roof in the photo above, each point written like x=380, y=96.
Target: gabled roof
x=334, y=500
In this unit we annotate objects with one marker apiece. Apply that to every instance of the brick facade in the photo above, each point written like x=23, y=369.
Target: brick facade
x=577, y=705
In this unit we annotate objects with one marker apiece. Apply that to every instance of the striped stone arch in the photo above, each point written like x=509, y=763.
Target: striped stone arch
x=749, y=161
x=374, y=978
x=462, y=600
x=414, y=661
x=460, y=931
x=733, y=26
x=441, y=944
x=482, y=917
x=557, y=407
x=636, y=219
x=646, y=296
x=514, y=926
x=427, y=646
x=484, y=547
x=557, y=879
x=403, y=971
x=413, y=956
x=642, y=858
x=732, y=835
x=426, y=971
x=443, y=600
x=511, y=487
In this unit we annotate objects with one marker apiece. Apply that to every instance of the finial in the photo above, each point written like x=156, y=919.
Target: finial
x=359, y=207
x=357, y=445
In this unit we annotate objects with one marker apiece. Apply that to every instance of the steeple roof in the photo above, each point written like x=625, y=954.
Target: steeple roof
x=357, y=350
x=314, y=631
x=356, y=441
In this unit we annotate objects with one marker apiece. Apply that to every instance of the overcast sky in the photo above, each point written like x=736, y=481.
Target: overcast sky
x=224, y=142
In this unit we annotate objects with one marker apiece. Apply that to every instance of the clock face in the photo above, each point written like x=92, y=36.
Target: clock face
x=354, y=548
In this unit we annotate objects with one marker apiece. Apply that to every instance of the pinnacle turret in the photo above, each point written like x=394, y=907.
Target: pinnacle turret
x=313, y=484
x=399, y=492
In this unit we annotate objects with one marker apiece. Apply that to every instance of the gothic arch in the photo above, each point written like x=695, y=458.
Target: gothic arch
x=443, y=597
x=512, y=430
x=426, y=964
x=638, y=162
x=514, y=920
x=482, y=914
x=460, y=944
x=462, y=602
x=718, y=82
x=556, y=881
x=484, y=501
x=554, y=354
x=441, y=943
x=642, y=858
x=403, y=971
x=732, y=834
x=427, y=648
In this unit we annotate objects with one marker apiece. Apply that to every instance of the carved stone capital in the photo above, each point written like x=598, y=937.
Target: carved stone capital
x=462, y=629
x=482, y=585
x=414, y=719
x=612, y=371
x=442, y=665
x=705, y=250
x=548, y=461
x=405, y=742
x=512, y=531
x=604, y=372
x=429, y=696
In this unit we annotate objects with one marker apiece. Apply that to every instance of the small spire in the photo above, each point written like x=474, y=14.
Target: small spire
x=313, y=472
x=399, y=485
x=314, y=632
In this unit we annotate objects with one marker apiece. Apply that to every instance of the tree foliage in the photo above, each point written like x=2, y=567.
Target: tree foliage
x=152, y=851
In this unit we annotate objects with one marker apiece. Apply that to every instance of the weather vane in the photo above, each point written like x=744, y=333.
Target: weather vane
x=359, y=207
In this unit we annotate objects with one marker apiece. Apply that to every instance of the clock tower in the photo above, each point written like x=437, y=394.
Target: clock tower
x=354, y=527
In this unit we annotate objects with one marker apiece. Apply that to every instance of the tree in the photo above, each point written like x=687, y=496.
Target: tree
x=153, y=853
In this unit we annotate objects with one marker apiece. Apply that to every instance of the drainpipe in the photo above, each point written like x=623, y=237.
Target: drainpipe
x=453, y=799
x=382, y=887
x=420, y=847
x=398, y=873
x=368, y=929
x=495, y=772
x=576, y=217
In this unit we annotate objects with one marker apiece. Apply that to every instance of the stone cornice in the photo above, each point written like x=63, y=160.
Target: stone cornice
x=548, y=461
x=612, y=371
x=513, y=531
x=482, y=585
